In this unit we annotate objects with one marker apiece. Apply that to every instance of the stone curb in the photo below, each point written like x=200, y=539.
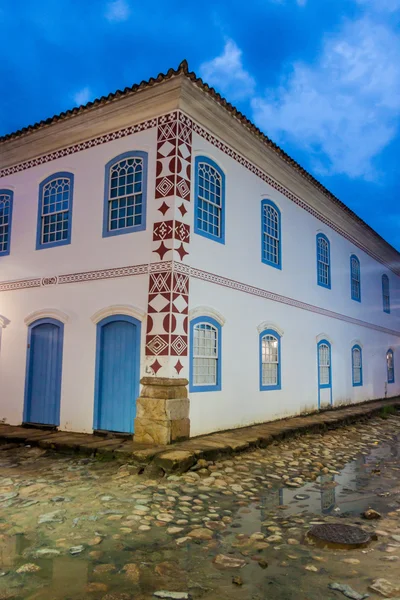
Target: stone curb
x=181, y=456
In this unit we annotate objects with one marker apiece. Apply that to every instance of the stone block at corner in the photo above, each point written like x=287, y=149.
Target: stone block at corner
x=164, y=387
x=180, y=430
x=175, y=461
x=162, y=409
x=150, y=431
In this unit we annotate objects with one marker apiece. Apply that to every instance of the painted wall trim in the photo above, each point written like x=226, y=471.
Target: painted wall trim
x=323, y=336
x=212, y=139
x=118, y=309
x=268, y=325
x=263, y=293
x=207, y=311
x=46, y=313
x=195, y=273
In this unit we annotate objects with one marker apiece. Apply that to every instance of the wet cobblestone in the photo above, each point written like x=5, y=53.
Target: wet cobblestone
x=73, y=527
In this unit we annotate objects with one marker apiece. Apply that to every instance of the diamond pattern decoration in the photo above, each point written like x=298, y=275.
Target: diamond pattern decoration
x=178, y=366
x=157, y=344
x=166, y=149
x=159, y=302
x=164, y=208
x=182, y=232
x=178, y=345
x=168, y=293
x=183, y=189
x=163, y=230
x=162, y=250
x=181, y=252
x=181, y=209
x=164, y=187
x=155, y=366
x=160, y=282
x=181, y=283
x=179, y=304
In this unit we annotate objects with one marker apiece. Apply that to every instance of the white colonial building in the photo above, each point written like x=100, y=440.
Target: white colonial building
x=157, y=236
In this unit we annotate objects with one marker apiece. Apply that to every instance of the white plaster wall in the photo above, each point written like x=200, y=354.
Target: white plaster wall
x=88, y=249
x=240, y=402
x=80, y=301
x=240, y=257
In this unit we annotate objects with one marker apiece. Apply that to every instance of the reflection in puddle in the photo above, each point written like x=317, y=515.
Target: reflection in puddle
x=130, y=562
x=351, y=491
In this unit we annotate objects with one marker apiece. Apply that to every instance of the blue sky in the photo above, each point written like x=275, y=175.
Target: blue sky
x=320, y=77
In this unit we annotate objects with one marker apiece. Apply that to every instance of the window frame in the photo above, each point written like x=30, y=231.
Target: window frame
x=205, y=388
x=9, y=193
x=107, y=168
x=329, y=284
x=360, y=383
x=58, y=175
x=322, y=386
x=391, y=380
x=353, y=297
x=278, y=385
x=386, y=280
x=278, y=265
x=204, y=159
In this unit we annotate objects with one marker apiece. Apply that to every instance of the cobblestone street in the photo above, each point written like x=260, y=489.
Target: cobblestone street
x=74, y=527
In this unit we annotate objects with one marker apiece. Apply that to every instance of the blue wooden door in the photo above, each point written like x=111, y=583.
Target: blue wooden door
x=43, y=373
x=117, y=373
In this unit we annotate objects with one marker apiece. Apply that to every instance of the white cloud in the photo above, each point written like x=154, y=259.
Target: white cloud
x=117, y=11
x=381, y=5
x=227, y=74
x=82, y=96
x=346, y=107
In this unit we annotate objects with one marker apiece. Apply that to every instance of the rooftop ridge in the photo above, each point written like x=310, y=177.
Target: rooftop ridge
x=183, y=69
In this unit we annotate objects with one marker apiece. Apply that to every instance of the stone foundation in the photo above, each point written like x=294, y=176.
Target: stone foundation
x=162, y=411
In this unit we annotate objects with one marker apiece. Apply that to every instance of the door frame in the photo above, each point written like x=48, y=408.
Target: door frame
x=99, y=327
x=60, y=347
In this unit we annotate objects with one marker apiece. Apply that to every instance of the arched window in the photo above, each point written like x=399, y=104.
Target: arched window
x=355, y=278
x=55, y=210
x=385, y=294
x=6, y=205
x=390, y=366
x=356, y=362
x=270, y=234
x=125, y=194
x=209, y=219
x=270, y=360
x=205, y=355
x=324, y=364
x=323, y=261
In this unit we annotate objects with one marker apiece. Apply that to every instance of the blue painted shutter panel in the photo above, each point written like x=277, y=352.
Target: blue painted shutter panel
x=118, y=386
x=44, y=387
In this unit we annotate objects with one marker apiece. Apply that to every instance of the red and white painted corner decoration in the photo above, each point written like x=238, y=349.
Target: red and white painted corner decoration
x=167, y=321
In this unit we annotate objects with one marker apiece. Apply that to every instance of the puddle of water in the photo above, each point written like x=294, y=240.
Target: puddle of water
x=159, y=564
x=351, y=492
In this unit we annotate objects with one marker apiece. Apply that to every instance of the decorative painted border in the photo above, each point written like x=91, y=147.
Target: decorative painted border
x=168, y=296
x=200, y=130
x=103, y=274
x=20, y=284
x=255, y=291
x=181, y=187
x=96, y=141
x=180, y=269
